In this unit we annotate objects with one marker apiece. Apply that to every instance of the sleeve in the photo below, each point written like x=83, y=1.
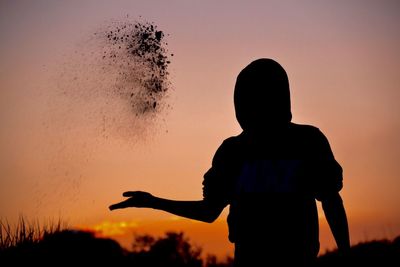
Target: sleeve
x=217, y=185
x=328, y=173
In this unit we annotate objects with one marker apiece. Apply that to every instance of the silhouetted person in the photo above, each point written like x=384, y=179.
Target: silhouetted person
x=270, y=175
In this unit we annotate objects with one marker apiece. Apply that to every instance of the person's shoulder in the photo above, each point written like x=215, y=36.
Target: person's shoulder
x=305, y=129
x=228, y=149
x=309, y=134
x=313, y=137
x=232, y=144
x=232, y=141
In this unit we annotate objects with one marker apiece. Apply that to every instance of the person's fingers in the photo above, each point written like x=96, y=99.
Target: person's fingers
x=129, y=193
x=113, y=207
x=119, y=205
x=135, y=199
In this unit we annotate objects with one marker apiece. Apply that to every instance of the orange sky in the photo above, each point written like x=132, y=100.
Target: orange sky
x=343, y=64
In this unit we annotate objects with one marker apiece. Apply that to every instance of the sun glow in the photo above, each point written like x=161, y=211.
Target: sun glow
x=111, y=229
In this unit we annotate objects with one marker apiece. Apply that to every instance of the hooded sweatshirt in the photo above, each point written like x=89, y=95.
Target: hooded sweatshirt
x=273, y=172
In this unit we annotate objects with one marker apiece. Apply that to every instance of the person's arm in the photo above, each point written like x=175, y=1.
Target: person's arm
x=335, y=214
x=200, y=210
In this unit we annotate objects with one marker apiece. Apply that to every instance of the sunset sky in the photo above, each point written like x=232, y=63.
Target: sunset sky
x=57, y=159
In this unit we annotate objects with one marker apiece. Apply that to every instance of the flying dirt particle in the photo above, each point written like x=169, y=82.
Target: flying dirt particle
x=115, y=83
x=138, y=51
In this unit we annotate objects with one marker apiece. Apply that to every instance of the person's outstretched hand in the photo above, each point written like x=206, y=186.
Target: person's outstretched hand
x=136, y=199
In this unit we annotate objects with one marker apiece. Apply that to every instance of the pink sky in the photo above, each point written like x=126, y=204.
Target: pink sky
x=343, y=64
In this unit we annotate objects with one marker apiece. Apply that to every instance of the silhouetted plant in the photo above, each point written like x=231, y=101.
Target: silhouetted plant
x=81, y=247
x=372, y=253
x=25, y=233
x=212, y=261
x=172, y=250
x=143, y=243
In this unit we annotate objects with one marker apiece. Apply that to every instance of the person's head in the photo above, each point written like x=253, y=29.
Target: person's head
x=262, y=97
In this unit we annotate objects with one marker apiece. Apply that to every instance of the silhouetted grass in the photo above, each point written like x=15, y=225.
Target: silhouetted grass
x=25, y=233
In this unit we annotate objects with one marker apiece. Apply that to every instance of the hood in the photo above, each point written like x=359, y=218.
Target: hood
x=262, y=96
